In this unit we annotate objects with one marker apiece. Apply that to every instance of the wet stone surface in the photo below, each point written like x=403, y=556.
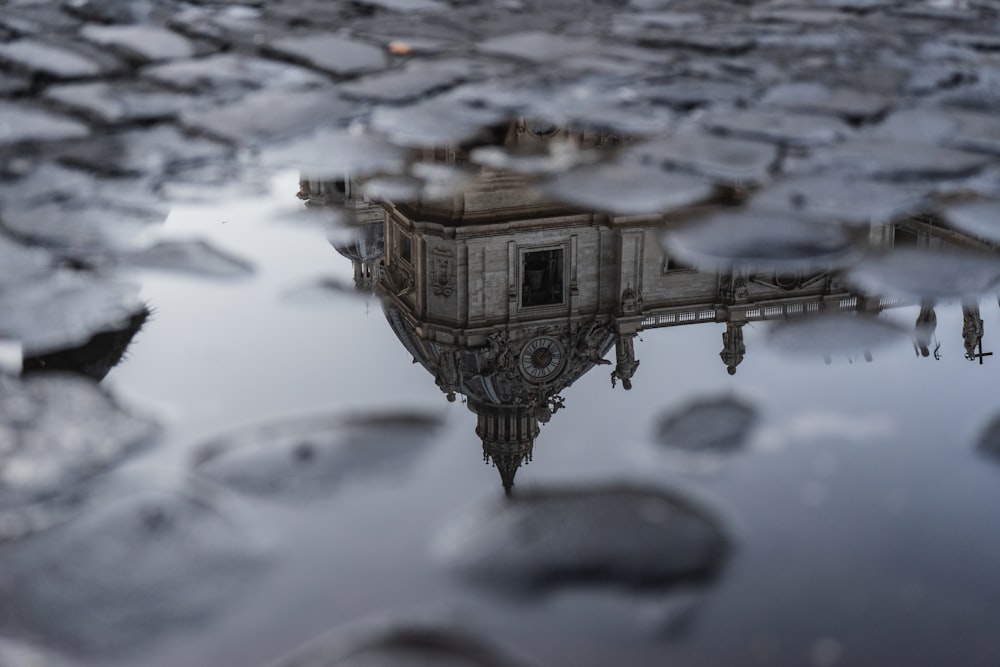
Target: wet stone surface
x=307, y=458
x=543, y=539
x=532, y=188
x=710, y=425
x=57, y=435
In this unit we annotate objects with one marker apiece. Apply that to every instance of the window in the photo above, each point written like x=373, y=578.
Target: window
x=405, y=248
x=542, y=278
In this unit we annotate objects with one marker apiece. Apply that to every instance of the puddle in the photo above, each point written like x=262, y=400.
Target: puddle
x=665, y=341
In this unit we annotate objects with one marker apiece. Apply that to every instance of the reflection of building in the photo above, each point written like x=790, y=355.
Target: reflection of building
x=507, y=300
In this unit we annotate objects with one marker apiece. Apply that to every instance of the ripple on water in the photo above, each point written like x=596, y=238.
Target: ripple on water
x=544, y=539
x=305, y=459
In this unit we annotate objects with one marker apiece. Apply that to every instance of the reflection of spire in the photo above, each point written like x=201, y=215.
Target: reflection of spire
x=508, y=434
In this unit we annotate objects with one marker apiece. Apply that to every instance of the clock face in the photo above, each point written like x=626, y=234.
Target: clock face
x=541, y=358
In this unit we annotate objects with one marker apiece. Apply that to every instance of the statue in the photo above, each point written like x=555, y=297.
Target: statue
x=586, y=347
x=733, y=349
x=923, y=330
x=448, y=376
x=972, y=331
x=627, y=364
x=631, y=301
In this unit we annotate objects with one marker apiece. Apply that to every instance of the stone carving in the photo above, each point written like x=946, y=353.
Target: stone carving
x=972, y=333
x=442, y=272
x=448, y=375
x=631, y=301
x=733, y=348
x=627, y=363
x=923, y=332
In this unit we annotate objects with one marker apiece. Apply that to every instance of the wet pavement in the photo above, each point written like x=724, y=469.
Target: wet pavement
x=292, y=294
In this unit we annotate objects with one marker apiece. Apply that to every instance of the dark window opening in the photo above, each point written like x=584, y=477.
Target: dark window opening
x=405, y=248
x=905, y=237
x=542, y=280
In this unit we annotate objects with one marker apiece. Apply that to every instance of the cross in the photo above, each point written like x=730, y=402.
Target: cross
x=981, y=353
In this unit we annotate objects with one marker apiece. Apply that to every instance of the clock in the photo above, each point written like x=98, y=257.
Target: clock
x=541, y=358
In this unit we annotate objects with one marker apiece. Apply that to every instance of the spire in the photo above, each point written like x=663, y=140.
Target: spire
x=508, y=434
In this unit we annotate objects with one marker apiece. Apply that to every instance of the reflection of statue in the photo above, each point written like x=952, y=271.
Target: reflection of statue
x=972, y=332
x=923, y=330
x=586, y=345
x=449, y=375
x=497, y=356
x=733, y=289
x=627, y=364
x=733, y=348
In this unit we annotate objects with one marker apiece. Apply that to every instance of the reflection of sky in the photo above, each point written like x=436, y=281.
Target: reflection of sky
x=859, y=503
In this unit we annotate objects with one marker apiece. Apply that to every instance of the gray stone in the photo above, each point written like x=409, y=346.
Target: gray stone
x=414, y=80
x=38, y=57
x=335, y=153
x=816, y=98
x=841, y=198
x=118, y=103
x=330, y=53
x=979, y=218
x=629, y=189
x=544, y=539
x=56, y=435
x=80, y=229
x=20, y=264
x=227, y=75
x=438, y=121
x=537, y=46
x=778, y=127
x=927, y=274
x=713, y=425
x=898, y=160
x=64, y=310
x=145, y=42
x=150, y=151
x=134, y=568
x=724, y=159
x=408, y=5
x=10, y=84
x=699, y=92
x=23, y=122
x=761, y=241
x=252, y=119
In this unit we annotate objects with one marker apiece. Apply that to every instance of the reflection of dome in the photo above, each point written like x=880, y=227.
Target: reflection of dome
x=365, y=248
x=366, y=244
x=509, y=403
